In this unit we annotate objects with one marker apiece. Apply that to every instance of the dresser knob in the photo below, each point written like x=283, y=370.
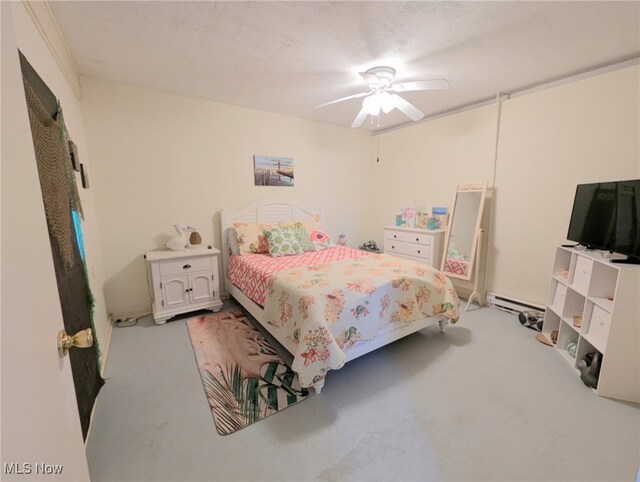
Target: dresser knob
x=394, y=236
x=418, y=251
x=417, y=239
x=186, y=266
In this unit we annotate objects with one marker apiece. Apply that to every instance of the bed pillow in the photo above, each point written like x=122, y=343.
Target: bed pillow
x=250, y=237
x=283, y=242
x=303, y=237
x=320, y=240
x=310, y=224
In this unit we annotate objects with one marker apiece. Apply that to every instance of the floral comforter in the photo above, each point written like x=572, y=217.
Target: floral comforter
x=325, y=309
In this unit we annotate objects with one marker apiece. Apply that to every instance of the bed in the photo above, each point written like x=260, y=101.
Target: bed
x=332, y=306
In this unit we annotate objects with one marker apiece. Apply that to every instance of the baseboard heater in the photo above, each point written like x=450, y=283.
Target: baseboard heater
x=511, y=305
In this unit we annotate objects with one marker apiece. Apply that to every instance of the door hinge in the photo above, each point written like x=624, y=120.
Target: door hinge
x=162, y=302
x=161, y=285
x=211, y=277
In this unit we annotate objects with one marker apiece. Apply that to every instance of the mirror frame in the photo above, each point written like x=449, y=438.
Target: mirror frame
x=472, y=187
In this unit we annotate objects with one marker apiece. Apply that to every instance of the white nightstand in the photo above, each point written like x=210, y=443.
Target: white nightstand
x=183, y=281
x=421, y=245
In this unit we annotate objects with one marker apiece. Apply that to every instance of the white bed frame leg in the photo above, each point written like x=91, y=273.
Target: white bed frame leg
x=443, y=324
x=318, y=386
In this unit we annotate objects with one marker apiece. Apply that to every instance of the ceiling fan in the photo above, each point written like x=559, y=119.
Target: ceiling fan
x=382, y=96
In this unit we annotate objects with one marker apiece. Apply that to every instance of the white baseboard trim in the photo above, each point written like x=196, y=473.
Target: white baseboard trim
x=511, y=304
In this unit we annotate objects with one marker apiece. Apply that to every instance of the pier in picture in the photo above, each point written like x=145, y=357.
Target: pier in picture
x=272, y=171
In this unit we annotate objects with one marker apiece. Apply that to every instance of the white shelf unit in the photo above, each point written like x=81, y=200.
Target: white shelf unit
x=607, y=297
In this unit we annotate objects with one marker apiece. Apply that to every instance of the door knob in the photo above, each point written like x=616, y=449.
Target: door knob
x=82, y=339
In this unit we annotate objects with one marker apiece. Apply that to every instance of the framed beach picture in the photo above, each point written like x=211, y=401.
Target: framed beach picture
x=272, y=171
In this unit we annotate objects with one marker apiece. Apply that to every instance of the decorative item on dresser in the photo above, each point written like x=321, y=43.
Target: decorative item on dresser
x=594, y=307
x=179, y=242
x=195, y=240
x=183, y=281
x=421, y=245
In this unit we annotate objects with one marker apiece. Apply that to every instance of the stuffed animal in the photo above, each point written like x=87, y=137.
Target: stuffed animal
x=179, y=242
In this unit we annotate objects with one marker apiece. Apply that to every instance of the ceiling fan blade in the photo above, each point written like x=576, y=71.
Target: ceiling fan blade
x=359, y=120
x=354, y=96
x=407, y=109
x=437, y=84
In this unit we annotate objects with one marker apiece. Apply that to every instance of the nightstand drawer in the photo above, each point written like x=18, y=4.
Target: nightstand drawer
x=408, y=237
x=185, y=265
x=411, y=249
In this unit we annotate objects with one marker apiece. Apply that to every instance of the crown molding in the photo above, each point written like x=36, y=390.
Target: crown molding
x=49, y=30
x=592, y=72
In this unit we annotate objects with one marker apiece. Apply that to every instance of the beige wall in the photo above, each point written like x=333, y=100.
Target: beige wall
x=549, y=141
x=160, y=159
x=39, y=56
x=425, y=162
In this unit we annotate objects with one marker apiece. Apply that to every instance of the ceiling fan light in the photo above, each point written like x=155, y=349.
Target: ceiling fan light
x=371, y=105
x=386, y=102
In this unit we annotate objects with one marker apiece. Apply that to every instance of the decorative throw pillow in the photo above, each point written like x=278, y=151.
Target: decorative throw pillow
x=320, y=240
x=303, y=237
x=251, y=238
x=310, y=224
x=282, y=242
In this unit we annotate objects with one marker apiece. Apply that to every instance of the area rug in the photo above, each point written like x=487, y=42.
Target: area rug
x=245, y=380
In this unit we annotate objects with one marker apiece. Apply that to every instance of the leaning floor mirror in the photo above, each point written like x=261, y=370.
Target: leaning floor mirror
x=463, y=236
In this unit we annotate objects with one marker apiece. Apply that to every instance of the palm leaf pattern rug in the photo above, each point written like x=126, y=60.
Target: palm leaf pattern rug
x=243, y=377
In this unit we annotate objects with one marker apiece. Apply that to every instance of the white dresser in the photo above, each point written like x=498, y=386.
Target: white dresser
x=421, y=245
x=183, y=281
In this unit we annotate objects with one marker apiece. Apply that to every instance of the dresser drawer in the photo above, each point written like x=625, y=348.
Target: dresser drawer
x=418, y=238
x=185, y=265
x=410, y=249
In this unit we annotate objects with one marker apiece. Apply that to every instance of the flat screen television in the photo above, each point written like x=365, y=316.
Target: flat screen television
x=606, y=215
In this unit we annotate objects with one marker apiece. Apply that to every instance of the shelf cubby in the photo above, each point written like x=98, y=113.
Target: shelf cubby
x=557, y=294
x=562, y=265
x=603, y=284
x=566, y=335
x=551, y=323
x=573, y=306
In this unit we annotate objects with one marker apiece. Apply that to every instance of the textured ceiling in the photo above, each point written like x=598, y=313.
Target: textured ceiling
x=287, y=57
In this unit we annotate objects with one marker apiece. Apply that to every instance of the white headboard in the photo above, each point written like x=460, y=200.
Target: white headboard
x=266, y=211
